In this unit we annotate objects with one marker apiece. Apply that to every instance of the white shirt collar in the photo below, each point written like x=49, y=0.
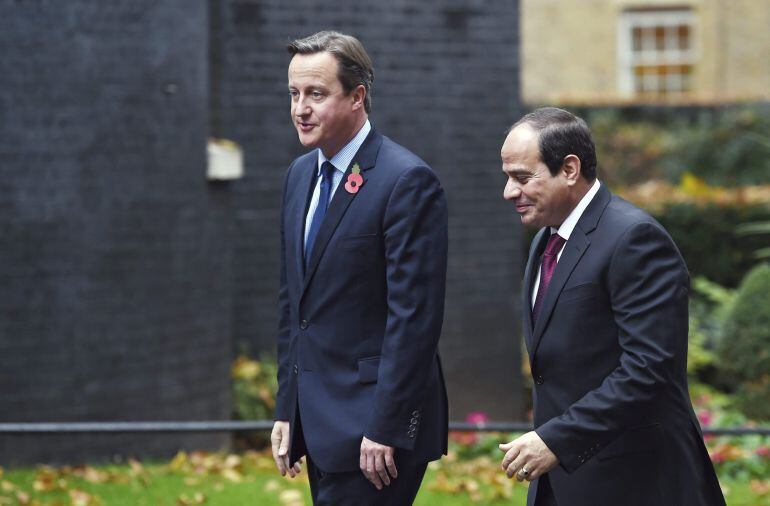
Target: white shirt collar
x=342, y=159
x=566, y=228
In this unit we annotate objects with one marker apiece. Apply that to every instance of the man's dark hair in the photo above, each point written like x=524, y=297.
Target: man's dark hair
x=561, y=133
x=355, y=66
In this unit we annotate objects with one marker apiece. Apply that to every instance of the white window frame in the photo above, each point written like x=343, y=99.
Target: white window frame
x=651, y=19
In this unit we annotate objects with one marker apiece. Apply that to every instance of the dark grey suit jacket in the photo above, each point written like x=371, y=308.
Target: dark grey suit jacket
x=609, y=361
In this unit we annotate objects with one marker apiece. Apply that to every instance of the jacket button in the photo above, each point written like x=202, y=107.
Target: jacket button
x=303, y=324
x=296, y=369
x=415, y=413
x=539, y=380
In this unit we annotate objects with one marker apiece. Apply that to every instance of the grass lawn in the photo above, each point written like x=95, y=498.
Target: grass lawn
x=214, y=479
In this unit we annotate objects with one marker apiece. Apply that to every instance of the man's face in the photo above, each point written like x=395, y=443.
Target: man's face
x=540, y=198
x=324, y=115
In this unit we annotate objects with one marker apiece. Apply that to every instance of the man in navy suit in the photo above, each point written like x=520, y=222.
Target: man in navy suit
x=605, y=315
x=363, y=269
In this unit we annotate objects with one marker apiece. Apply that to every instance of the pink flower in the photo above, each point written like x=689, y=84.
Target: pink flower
x=477, y=418
x=705, y=417
x=763, y=451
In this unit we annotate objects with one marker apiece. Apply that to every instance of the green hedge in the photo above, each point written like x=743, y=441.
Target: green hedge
x=706, y=237
x=744, y=347
x=725, y=146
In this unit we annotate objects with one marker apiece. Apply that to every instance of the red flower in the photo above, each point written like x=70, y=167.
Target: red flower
x=354, y=183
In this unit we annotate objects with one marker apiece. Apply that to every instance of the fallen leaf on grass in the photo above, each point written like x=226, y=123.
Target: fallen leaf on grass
x=136, y=466
x=272, y=486
x=232, y=461
x=46, y=480
x=82, y=498
x=197, y=498
x=760, y=487
x=479, y=478
x=179, y=460
x=232, y=475
x=291, y=497
x=93, y=475
x=138, y=472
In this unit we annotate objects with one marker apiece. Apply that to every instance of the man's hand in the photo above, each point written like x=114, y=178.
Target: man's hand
x=377, y=463
x=527, y=457
x=280, y=443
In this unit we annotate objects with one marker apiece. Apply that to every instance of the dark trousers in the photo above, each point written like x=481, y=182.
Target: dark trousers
x=545, y=495
x=353, y=489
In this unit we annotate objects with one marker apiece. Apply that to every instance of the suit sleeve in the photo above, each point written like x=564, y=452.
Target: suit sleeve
x=415, y=238
x=648, y=286
x=282, y=403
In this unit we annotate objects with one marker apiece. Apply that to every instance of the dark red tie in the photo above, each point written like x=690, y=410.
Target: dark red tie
x=555, y=242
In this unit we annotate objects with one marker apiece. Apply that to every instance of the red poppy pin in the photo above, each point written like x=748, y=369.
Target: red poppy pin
x=355, y=180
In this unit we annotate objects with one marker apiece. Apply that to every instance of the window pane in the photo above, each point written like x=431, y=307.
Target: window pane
x=637, y=38
x=660, y=38
x=684, y=37
x=648, y=39
x=672, y=42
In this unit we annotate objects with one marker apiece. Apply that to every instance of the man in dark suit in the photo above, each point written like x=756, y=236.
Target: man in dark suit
x=363, y=269
x=605, y=322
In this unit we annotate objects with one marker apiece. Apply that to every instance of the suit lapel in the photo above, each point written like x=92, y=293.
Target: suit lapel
x=536, y=249
x=574, y=249
x=366, y=158
x=306, y=186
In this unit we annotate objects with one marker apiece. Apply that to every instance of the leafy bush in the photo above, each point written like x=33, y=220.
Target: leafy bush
x=745, y=457
x=725, y=146
x=704, y=222
x=706, y=238
x=744, y=348
x=255, y=385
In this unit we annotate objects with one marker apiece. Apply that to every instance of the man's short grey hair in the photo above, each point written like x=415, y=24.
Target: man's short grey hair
x=355, y=66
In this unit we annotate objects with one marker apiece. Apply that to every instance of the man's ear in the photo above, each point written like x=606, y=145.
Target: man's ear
x=358, y=94
x=571, y=169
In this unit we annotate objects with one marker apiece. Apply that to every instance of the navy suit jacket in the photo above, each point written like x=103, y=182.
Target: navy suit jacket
x=608, y=356
x=359, y=328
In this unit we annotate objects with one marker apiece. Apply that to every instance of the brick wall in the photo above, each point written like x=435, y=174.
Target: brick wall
x=126, y=278
x=446, y=87
x=114, y=255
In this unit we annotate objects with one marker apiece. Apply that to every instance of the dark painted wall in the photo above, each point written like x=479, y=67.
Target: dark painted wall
x=126, y=278
x=446, y=87
x=114, y=250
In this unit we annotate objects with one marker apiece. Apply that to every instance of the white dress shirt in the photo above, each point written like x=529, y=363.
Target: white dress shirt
x=341, y=161
x=566, y=228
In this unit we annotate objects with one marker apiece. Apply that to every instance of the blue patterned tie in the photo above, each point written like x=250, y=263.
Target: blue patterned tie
x=327, y=173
